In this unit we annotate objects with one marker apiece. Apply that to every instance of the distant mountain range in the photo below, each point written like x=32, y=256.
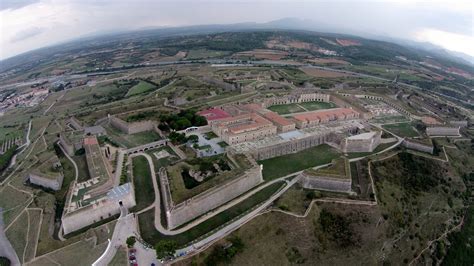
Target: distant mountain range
x=280, y=24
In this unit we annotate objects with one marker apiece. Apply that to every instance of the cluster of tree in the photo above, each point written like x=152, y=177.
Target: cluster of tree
x=229, y=41
x=337, y=227
x=130, y=241
x=223, y=254
x=419, y=174
x=140, y=116
x=177, y=138
x=4, y=261
x=182, y=120
x=105, y=139
x=7, y=157
x=165, y=248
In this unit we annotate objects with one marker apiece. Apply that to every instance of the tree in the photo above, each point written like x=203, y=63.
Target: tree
x=131, y=241
x=165, y=248
x=193, y=138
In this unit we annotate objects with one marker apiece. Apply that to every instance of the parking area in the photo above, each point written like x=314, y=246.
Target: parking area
x=143, y=255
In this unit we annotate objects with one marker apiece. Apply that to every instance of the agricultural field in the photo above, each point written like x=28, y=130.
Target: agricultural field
x=320, y=73
x=203, y=54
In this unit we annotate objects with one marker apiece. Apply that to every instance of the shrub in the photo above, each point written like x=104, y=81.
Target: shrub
x=131, y=241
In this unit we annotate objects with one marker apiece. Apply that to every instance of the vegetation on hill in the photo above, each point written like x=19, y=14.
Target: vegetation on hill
x=7, y=157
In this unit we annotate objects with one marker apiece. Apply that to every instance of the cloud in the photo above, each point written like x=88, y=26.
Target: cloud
x=16, y=4
x=448, y=40
x=26, y=34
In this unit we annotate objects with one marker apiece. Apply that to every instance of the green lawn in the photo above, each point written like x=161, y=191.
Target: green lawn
x=286, y=108
x=210, y=135
x=150, y=235
x=312, y=106
x=141, y=87
x=143, y=137
x=402, y=129
x=290, y=163
x=389, y=119
x=144, y=193
x=223, y=144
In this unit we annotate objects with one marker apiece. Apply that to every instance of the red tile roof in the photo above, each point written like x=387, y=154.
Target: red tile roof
x=325, y=114
x=91, y=141
x=214, y=114
x=276, y=118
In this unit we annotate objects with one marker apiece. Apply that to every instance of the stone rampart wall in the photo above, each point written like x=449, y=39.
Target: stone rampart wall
x=91, y=214
x=54, y=184
x=325, y=183
x=212, y=198
x=418, y=146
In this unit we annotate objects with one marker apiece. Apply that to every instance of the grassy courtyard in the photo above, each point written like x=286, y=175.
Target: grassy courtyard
x=286, y=108
x=312, y=106
x=402, y=129
x=290, y=163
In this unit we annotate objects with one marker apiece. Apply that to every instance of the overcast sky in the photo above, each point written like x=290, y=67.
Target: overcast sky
x=29, y=24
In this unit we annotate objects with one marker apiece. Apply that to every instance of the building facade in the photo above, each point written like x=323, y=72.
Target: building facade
x=243, y=128
x=311, y=119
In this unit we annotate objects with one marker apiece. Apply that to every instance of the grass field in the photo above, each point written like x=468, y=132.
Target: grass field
x=140, y=88
x=286, y=108
x=120, y=258
x=17, y=234
x=293, y=200
x=389, y=119
x=81, y=167
x=143, y=137
x=133, y=140
x=34, y=227
x=290, y=163
x=312, y=106
x=303, y=241
x=145, y=195
x=402, y=129
x=12, y=201
x=163, y=162
x=152, y=236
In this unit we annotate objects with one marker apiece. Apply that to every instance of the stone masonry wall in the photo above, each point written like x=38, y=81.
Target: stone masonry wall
x=418, y=146
x=192, y=208
x=94, y=213
x=54, y=184
x=325, y=183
